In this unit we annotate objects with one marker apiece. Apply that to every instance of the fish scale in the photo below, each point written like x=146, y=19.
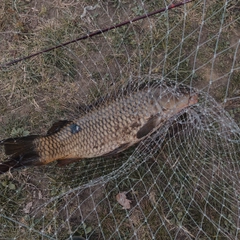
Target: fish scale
x=109, y=129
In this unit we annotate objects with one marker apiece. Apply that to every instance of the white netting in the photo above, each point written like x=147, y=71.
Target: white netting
x=183, y=181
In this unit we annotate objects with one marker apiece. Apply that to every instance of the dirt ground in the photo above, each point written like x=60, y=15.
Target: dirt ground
x=200, y=49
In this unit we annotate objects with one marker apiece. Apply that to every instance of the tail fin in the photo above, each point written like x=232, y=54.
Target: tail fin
x=22, y=152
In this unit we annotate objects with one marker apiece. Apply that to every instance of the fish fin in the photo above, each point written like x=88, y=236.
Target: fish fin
x=18, y=145
x=57, y=126
x=22, y=153
x=118, y=150
x=63, y=162
x=148, y=127
x=115, y=91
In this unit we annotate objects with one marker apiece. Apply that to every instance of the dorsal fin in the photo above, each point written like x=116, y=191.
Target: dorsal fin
x=57, y=126
x=113, y=92
x=123, y=88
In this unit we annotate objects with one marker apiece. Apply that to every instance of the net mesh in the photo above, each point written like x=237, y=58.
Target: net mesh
x=182, y=181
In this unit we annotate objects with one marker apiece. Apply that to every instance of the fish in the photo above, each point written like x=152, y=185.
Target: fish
x=105, y=130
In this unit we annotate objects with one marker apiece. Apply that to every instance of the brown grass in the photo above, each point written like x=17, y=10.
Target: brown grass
x=37, y=92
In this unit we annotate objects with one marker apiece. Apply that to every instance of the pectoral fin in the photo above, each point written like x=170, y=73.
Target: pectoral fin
x=152, y=123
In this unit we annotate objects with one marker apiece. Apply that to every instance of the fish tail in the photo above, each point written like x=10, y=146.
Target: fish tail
x=22, y=153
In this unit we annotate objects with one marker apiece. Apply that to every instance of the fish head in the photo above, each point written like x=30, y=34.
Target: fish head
x=174, y=101
x=185, y=100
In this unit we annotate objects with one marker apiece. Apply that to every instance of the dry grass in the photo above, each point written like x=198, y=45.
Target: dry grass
x=52, y=86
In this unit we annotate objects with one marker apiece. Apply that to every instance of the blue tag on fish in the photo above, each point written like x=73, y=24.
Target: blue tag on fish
x=75, y=128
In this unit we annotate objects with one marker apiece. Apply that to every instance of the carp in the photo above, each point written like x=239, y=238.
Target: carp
x=106, y=130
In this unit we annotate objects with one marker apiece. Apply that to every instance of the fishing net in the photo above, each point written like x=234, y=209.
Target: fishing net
x=183, y=181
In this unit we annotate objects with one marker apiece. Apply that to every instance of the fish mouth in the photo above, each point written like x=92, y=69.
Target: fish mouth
x=193, y=99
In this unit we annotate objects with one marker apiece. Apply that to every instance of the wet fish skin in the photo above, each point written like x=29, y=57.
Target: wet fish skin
x=107, y=130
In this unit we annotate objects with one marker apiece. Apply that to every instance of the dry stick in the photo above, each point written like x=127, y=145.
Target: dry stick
x=96, y=33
